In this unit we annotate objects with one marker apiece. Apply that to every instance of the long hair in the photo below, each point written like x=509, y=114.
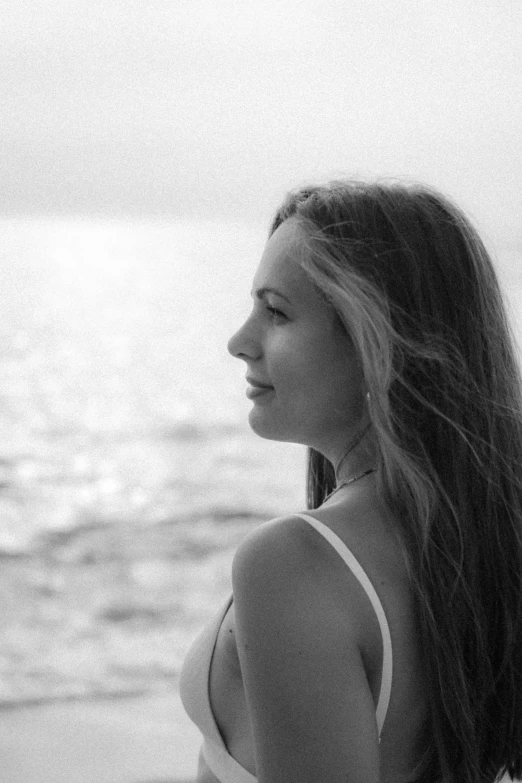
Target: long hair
x=416, y=291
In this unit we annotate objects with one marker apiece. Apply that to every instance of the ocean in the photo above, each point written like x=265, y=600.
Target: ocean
x=128, y=473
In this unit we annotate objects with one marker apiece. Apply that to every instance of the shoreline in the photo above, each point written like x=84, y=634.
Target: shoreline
x=142, y=739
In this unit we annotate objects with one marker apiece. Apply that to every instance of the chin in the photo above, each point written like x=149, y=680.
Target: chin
x=269, y=430
x=261, y=426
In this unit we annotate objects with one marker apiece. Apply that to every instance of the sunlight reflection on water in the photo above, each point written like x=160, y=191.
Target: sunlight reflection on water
x=113, y=345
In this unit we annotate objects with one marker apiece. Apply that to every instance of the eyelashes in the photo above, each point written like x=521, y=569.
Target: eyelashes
x=274, y=312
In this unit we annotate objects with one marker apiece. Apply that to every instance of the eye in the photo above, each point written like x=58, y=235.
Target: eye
x=274, y=312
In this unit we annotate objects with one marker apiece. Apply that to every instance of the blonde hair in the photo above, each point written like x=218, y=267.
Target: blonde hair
x=415, y=289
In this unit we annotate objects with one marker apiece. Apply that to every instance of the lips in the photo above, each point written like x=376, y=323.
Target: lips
x=257, y=388
x=258, y=391
x=258, y=384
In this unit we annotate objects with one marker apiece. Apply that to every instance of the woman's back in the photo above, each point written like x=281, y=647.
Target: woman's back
x=362, y=524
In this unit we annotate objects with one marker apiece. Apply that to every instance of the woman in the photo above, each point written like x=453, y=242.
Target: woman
x=379, y=637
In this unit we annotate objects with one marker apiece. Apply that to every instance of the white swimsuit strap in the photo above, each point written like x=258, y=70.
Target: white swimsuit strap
x=224, y=767
x=358, y=571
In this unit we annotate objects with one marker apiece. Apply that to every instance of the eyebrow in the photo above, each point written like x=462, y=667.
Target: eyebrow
x=267, y=290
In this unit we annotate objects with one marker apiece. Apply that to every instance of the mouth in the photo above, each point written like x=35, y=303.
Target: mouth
x=255, y=390
x=258, y=384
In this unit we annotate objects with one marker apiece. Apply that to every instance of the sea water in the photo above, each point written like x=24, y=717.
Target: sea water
x=128, y=473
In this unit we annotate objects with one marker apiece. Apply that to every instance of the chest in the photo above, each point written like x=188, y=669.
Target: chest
x=227, y=695
x=225, y=659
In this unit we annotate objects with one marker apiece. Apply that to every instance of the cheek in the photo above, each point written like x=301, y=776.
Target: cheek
x=311, y=375
x=313, y=367
x=337, y=379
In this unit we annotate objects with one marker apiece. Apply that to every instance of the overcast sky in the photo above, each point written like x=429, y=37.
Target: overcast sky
x=216, y=107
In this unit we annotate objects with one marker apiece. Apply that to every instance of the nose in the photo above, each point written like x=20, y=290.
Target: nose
x=244, y=343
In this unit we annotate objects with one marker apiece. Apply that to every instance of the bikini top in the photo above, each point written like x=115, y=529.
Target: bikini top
x=194, y=679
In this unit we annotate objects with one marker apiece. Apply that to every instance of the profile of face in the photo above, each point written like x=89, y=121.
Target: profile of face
x=292, y=343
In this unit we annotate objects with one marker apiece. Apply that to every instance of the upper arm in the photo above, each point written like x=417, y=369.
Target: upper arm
x=311, y=708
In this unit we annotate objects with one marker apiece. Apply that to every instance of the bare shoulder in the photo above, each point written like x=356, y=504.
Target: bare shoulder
x=273, y=570
x=277, y=548
x=288, y=549
x=368, y=528
x=286, y=572
x=308, y=637
x=306, y=688
x=284, y=557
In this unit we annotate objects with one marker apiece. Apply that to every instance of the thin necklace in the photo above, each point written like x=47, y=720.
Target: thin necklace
x=350, y=481
x=351, y=447
x=355, y=442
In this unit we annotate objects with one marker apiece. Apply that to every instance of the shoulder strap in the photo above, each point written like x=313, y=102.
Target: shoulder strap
x=358, y=571
x=223, y=765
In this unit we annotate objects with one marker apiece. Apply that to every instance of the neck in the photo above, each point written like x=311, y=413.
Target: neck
x=358, y=455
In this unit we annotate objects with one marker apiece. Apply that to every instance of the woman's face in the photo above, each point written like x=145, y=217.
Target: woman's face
x=293, y=343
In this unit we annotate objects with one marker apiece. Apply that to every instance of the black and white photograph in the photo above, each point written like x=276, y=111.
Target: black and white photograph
x=260, y=391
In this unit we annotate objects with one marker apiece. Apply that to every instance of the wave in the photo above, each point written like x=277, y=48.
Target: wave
x=109, y=610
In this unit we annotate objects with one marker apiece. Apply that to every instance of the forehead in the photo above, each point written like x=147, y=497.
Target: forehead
x=280, y=268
